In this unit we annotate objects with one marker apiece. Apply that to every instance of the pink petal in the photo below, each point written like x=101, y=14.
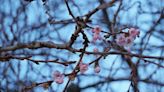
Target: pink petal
x=59, y=81
x=58, y=77
x=97, y=69
x=95, y=50
x=83, y=67
x=134, y=32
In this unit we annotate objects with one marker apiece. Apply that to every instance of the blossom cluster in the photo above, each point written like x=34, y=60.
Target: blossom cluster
x=126, y=39
x=59, y=77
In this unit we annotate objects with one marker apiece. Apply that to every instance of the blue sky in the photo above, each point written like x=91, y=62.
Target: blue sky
x=35, y=13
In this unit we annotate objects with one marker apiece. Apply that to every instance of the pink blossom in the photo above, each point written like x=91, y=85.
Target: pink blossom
x=96, y=30
x=58, y=77
x=134, y=32
x=96, y=34
x=97, y=69
x=83, y=67
x=96, y=37
x=126, y=40
x=95, y=50
x=121, y=40
x=129, y=40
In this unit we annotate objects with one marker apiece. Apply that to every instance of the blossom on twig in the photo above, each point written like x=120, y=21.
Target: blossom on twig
x=83, y=67
x=97, y=69
x=96, y=34
x=126, y=39
x=58, y=77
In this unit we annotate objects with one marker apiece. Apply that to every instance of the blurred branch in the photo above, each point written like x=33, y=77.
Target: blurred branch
x=27, y=88
x=110, y=80
x=36, y=45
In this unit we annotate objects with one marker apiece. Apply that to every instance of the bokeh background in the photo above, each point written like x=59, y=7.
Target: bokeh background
x=23, y=22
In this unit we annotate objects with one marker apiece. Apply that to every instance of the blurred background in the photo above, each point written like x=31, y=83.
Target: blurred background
x=27, y=21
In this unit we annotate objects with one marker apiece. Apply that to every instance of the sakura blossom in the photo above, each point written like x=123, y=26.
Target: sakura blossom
x=95, y=50
x=96, y=37
x=97, y=69
x=134, y=32
x=96, y=30
x=96, y=34
x=129, y=40
x=121, y=39
x=126, y=39
x=83, y=67
x=58, y=77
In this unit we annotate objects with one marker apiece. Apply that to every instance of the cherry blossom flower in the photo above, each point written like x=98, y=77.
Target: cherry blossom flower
x=96, y=50
x=83, y=67
x=129, y=40
x=58, y=77
x=96, y=34
x=96, y=30
x=121, y=40
x=96, y=37
x=97, y=69
x=134, y=32
x=126, y=39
